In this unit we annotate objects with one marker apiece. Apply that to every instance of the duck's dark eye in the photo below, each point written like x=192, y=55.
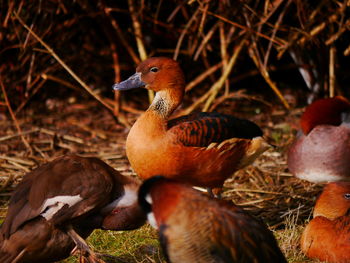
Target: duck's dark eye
x=347, y=196
x=154, y=69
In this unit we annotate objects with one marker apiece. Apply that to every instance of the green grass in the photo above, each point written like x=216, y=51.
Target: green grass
x=140, y=245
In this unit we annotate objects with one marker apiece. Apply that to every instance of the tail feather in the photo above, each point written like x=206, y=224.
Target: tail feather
x=10, y=253
x=6, y=257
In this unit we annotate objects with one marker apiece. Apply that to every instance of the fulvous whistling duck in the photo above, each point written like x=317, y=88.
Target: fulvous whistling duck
x=327, y=236
x=202, y=149
x=321, y=153
x=194, y=227
x=60, y=203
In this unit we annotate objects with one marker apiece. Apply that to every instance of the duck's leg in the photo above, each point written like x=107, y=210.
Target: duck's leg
x=83, y=248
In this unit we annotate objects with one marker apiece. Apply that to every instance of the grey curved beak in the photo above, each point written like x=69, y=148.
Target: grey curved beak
x=132, y=82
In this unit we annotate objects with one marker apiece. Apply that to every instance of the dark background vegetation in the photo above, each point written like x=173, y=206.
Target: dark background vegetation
x=98, y=41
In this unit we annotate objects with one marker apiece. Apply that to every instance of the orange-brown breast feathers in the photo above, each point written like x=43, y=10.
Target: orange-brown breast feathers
x=327, y=236
x=324, y=111
x=327, y=240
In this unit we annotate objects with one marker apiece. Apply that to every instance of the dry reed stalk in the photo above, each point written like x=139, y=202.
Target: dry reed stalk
x=219, y=84
x=202, y=76
x=13, y=116
x=239, y=94
x=35, y=90
x=318, y=29
x=332, y=55
x=17, y=160
x=204, y=16
x=194, y=105
x=223, y=53
x=64, y=136
x=174, y=12
x=246, y=29
x=184, y=32
x=274, y=32
x=94, y=132
x=116, y=66
x=20, y=167
x=121, y=36
x=347, y=51
x=204, y=97
x=8, y=137
x=205, y=41
x=266, y=76
x=137, y=29
x=63, y=64
x=8, y=14
x=60, y=81
x=117, y=78
x=139, y=38
x=29, y=75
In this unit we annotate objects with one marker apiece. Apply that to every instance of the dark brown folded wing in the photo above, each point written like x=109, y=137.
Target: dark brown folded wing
x=204, y=128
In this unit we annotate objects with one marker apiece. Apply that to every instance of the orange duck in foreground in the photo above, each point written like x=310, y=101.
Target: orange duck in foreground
x=196, y=228
x=202, y=149
x=60, y=203
x=321, y=153
x=327, y=236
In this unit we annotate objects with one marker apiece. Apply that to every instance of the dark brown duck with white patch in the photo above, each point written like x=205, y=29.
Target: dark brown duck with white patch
x=60, y=203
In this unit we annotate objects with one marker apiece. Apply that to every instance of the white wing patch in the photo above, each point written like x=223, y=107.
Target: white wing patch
x=150, y=215
x=149, y=199
x=129, y=198
x=152, y=220
x=52, y=205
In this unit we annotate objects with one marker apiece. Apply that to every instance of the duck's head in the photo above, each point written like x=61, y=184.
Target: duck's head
x=324, y=111
x=162, y=75
x=334, y=201
x=159, y=197
x=157, y=74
